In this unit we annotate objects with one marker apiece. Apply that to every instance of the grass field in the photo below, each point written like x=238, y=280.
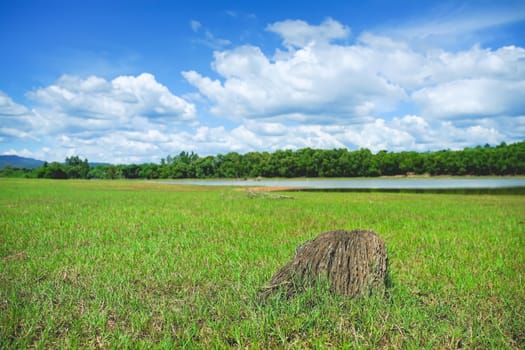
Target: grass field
x=104, y=264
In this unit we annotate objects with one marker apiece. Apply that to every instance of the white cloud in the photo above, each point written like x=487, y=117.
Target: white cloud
x=99, y=118
x=312, y=81
x=16, y=120
x=8, y=107
x=95, y=103
x=459, y=138
x=206, y=37
x=360, y=86
x=410, y=132
x=21, y=153
x=297, y=33
x=379, y=135
x=118, y=147
x=215, y=43
x=6, y=132
x=266, y=128
x=447, y=23
x=413, y=69
x=378, y=92
x=472, y=98
x=195, y=25
x=240, y=15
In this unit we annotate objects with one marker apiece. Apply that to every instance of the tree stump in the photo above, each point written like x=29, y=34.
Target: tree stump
x=353, y=262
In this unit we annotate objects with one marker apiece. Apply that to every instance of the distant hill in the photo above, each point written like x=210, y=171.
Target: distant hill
x=95, y=164
x=19, y=162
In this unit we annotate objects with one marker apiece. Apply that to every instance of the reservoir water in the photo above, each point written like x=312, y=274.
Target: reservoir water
x=432, y=183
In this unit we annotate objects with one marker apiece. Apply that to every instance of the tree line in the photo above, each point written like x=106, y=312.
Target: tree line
x=306, y=162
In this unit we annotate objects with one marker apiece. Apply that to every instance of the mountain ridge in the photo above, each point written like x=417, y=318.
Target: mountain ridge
x=15, y=161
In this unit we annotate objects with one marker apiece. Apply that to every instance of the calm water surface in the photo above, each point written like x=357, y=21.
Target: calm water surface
x=379, y=183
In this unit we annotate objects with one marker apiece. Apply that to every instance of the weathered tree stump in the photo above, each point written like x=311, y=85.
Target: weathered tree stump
x=353, y=262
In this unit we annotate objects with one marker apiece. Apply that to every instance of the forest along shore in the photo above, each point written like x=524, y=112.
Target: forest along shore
x=498, y=160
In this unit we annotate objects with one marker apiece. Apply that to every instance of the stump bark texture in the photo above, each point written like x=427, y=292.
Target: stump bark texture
x=353, y=262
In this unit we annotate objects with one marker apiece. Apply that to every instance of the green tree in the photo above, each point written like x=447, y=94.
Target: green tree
x=54, y=170
x=76, y=168
x=149, y=171
x=131, y=171
x=229, y=165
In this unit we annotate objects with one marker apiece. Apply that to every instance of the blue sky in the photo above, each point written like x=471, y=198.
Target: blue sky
x=134, y=81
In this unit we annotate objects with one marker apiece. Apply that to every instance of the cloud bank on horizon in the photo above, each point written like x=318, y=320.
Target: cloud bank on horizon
x=323, y=87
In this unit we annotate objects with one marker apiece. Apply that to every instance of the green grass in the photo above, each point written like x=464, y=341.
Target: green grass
x=103, y=264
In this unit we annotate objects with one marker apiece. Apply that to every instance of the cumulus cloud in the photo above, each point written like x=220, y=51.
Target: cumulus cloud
x=367, y=78
x=16, y=120
x=93, y=106
x=312, y=81
x=361, y=87
x=8, y=107
x=131, y=113
x=472, y=98
x=317, y=90
x=122, y=98
x=409, y=132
